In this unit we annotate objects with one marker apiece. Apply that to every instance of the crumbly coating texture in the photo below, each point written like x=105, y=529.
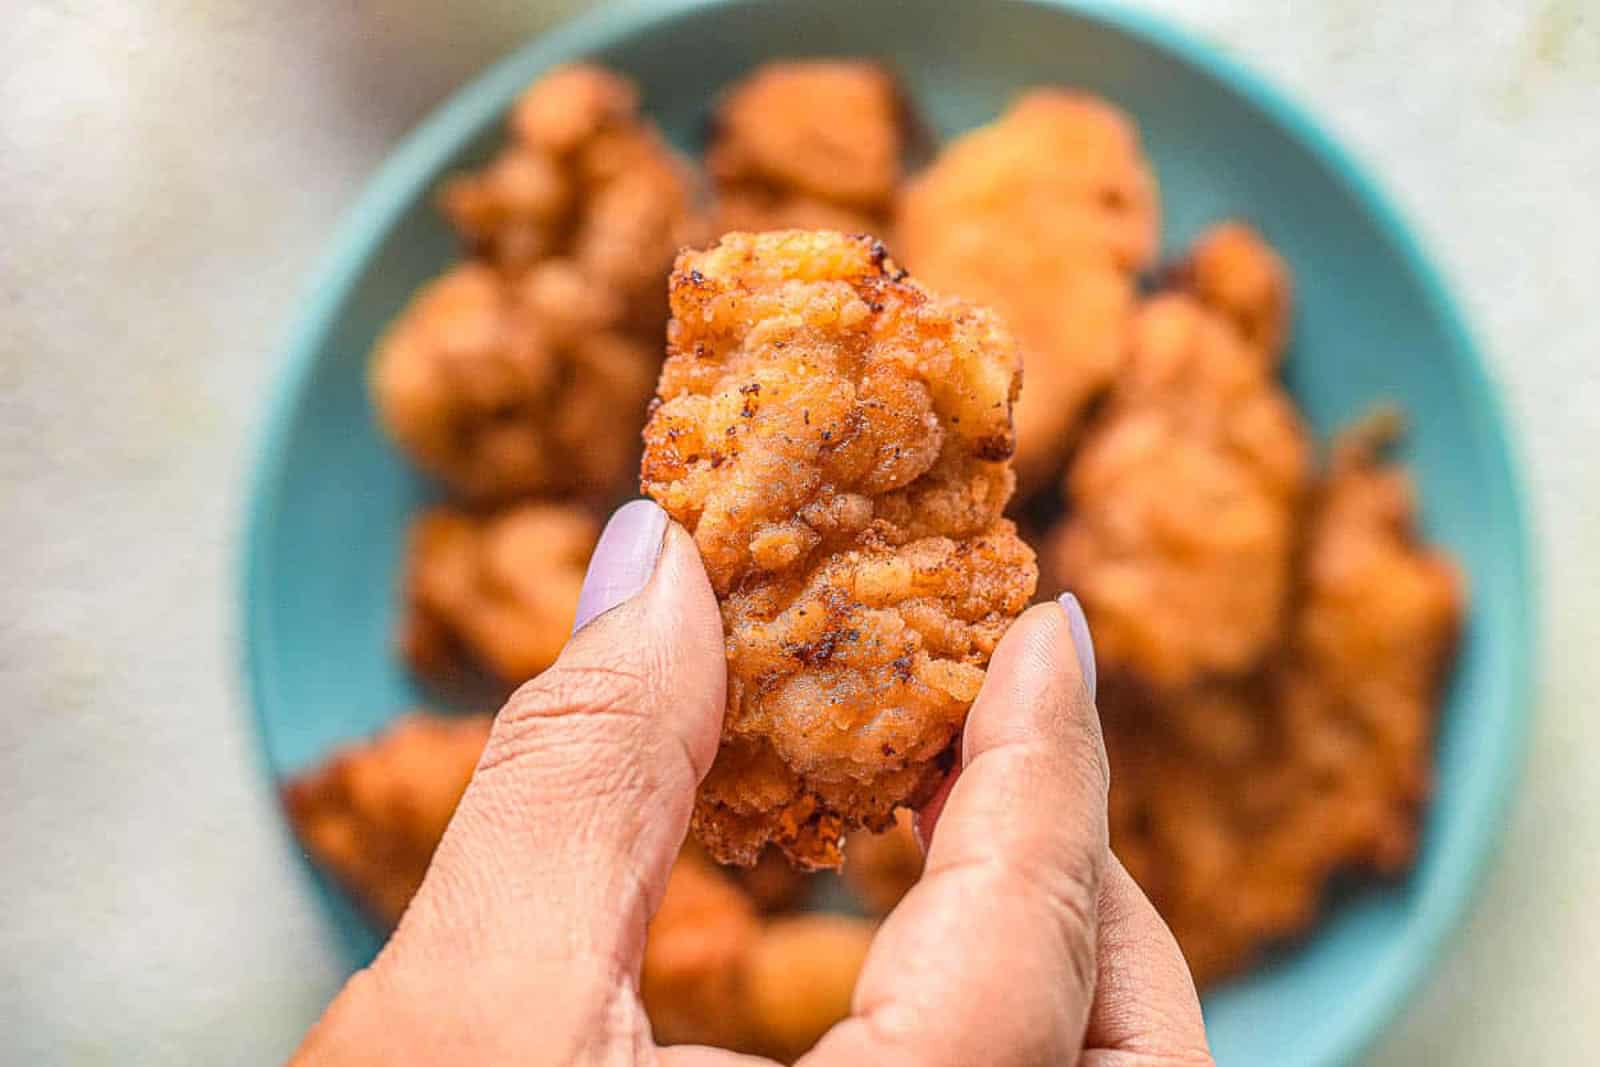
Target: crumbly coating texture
x=1183, y=504
x=1233, y=271
x=1234, y=804
x=800, y=977
x=835, y=439
x=692, y=980
x=373, y=813
x=501, y=589
x=1045, y=216
x=809, y=144
x=585, y=183
x=881, y=868
x=504, y=388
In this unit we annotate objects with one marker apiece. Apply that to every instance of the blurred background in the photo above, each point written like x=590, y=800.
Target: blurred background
x=169, y=173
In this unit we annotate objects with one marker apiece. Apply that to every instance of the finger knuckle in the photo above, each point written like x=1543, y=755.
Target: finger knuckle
x=1068, y=889
x=567, y=709
x=578, y=690
x=590, y=727
x=1072, y=892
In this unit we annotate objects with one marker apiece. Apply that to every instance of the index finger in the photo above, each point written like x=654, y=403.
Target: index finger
x=991, y=957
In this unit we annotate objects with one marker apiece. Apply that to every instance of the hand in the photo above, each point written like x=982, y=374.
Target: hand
x=1025, y=942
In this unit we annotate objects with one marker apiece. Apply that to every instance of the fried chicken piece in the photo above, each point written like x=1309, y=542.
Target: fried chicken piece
x=800, y=978
x=586, y=184
x=1375, y=641
x=1233, y=271
x=1233, y=805
x=1183, y=501
x=810, y=145
x=373, y=813
x=882, y=868
x=1045, y=215
x=696, y=950
x=509, y=388
x=715, y=974
x=503, y=588
x=835, y=439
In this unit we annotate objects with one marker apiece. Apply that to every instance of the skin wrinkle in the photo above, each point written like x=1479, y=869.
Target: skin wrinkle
x=558, y=715
x=473, y=902
x=1145, y=1016
x=1072, y=902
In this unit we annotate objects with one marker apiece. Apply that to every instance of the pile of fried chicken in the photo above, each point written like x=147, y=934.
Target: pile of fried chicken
x=875, y=500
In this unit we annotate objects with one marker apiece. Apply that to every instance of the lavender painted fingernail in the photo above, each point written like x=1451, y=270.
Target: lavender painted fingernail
x=1082, y=643
x=623, y=560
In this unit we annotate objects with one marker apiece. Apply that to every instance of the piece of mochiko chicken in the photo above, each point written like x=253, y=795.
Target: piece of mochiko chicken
x=836, y=438
x=1046, y=215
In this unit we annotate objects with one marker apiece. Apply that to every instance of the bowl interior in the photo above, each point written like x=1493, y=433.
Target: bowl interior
x=332, y=497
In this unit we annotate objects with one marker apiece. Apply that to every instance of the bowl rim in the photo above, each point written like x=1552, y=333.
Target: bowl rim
x=415, y=163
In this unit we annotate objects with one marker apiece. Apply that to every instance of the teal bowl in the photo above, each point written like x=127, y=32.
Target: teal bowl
x=331, y=497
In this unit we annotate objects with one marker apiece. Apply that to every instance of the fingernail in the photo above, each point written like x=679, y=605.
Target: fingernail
x=1082, y=643
x=623, y=560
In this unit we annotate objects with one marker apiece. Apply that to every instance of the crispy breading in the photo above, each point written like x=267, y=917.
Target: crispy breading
x=1045, y=215
x=1232, y=270
x=585, y=183
x=502, y=588
x=1183, y=502
x=881, y=868
x=808, y=144
x=373, y=813
x=1375, y=640
x=507, y=388
x=1233, y=804
x=836, y=439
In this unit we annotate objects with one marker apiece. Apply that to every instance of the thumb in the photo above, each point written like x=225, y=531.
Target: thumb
x=561, y=845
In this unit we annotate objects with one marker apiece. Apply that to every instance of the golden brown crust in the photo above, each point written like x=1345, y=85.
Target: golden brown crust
x=1183, y=504
x=1233, y=271
x=586, y=183
x=1233, y=804
x=809, y=144
x=373, y=813
x=1045, y=215
x=835, y=440
x=503, y=588
x=506, y=388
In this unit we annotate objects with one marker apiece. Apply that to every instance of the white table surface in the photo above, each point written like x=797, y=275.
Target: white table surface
x=169, y=172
